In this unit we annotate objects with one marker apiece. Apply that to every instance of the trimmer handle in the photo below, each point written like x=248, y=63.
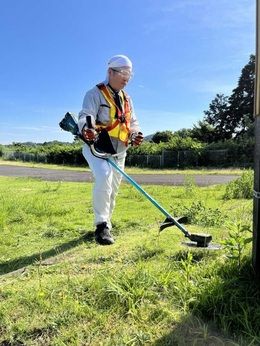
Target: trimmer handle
x=89, y=122
x=89, y=127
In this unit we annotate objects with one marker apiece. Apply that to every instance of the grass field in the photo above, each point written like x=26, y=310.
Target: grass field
x=60, y=288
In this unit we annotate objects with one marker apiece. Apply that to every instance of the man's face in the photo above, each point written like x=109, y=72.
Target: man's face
x=119, y=77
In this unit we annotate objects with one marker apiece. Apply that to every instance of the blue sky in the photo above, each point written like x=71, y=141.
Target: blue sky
x=53, y=51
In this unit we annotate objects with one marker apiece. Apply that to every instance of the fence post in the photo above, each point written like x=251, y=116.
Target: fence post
x=162, y=159
x=256, y=210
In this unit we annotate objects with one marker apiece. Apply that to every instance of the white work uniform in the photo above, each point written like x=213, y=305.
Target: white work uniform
x=107, y=179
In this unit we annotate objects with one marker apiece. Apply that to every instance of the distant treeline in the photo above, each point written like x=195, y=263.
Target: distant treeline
x=179, y=152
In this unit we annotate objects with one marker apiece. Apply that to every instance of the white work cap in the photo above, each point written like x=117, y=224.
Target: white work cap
x=119, y=61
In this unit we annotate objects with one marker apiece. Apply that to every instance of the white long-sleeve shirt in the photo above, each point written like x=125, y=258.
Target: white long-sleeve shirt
x=96, y=106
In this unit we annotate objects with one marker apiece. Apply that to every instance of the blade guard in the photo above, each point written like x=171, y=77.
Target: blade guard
x=169, y=222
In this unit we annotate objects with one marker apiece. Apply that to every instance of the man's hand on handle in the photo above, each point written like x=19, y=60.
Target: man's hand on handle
x=137, y=138
x=89, y=134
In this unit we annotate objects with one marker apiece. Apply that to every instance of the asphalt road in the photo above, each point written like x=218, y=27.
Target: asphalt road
x=77, y=176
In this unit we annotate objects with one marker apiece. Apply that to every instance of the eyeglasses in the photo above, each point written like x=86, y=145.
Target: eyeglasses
x=123, y=73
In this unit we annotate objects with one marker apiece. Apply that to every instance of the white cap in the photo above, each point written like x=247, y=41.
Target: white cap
x=119, y=61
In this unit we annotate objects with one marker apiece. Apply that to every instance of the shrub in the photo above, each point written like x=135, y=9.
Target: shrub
x=197, y=213
x=241, y=187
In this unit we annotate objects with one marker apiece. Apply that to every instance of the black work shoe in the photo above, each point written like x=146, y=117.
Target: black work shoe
x=103, y=235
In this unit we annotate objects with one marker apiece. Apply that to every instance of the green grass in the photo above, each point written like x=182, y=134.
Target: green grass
x=60, y=288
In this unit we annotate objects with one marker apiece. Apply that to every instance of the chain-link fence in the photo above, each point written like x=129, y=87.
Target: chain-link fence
x=27, y=157
x=68, y=158
x=168, y=159
x=193, y=158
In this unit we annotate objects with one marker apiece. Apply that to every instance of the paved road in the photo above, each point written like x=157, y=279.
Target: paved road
x=77, y=176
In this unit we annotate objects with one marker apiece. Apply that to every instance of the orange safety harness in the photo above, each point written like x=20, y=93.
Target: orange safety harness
x=119, y=125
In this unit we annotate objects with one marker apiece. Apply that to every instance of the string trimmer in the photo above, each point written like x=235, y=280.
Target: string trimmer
x=69, y=123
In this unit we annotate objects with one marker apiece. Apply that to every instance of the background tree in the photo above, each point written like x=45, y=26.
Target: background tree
x=203, y=132
x=183, y=133
x=217, y=117
x=241, y=101
x=162, y=136
x=230, y=117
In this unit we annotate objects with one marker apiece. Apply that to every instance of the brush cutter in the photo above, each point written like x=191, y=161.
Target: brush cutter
x=69, y=124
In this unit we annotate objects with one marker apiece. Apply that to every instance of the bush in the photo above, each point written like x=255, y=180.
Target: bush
x=241, y=187
x=53, y=152
x=175, y=143
x=199, y=214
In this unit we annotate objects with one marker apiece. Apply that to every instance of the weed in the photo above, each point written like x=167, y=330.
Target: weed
x=51, y=187
x=190, y=187
x=129, y=291
x=230, y=299
x=239, y=236
x=241, y=187
x=199, y=214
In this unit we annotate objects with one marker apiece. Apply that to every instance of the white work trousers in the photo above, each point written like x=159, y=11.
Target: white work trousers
x=106, y=184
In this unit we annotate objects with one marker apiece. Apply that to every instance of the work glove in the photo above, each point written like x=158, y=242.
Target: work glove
x=89, y=134
x=136, y=138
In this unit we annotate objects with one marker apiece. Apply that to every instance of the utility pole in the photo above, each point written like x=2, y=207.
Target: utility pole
x=256, y=210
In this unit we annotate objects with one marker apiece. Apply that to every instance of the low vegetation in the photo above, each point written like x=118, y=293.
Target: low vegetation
x=59, y=288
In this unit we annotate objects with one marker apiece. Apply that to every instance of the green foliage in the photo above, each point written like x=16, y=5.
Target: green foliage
x=175, y=143
x=184, y=133
x=147, y=148
x=49, y=152
x=241, y=101
x=230, y=116
x=242, y=187
x=239, y=236
x=203, y=132
x=216, y=117
x=129, y=291
x=230, y=298
x=162, y=136
x=179, y=143
x=199, y=214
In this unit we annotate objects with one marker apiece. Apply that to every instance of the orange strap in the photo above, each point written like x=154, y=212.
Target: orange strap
x=106, y=92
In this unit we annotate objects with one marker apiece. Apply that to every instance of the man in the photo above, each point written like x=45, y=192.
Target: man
x=114, y=124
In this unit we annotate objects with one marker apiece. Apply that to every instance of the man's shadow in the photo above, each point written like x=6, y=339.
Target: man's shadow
x=18, y=263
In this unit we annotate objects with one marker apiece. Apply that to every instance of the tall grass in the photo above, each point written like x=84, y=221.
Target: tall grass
x=242, y=187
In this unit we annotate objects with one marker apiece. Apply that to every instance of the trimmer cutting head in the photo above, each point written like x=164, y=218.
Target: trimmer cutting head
x=202, y=240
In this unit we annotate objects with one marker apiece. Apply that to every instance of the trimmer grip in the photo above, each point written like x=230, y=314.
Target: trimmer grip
x=89, y=122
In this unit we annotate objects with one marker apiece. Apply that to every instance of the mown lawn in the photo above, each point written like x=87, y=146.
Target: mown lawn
x=58, y=287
